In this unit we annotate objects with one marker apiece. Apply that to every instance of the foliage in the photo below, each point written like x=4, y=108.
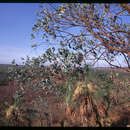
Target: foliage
x=100, y=32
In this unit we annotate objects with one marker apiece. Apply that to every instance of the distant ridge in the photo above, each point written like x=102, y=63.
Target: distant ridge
x=109, y=69
x=5, y=67
x=8, y=65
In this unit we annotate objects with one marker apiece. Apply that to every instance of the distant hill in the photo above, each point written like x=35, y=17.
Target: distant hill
x=4, y=67
x=4, y=73
x=108, y=69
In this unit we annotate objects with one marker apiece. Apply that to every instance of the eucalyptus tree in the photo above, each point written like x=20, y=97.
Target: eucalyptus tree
x=95, y=31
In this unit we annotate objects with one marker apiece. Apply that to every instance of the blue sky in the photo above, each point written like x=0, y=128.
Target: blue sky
x=16, y=22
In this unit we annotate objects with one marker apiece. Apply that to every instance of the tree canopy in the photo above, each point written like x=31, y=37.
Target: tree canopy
x=93, y=31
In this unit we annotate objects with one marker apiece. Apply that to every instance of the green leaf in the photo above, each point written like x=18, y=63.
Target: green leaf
x=34, y=45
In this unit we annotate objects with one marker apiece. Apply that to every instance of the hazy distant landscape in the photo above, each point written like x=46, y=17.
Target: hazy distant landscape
x=5, y=67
